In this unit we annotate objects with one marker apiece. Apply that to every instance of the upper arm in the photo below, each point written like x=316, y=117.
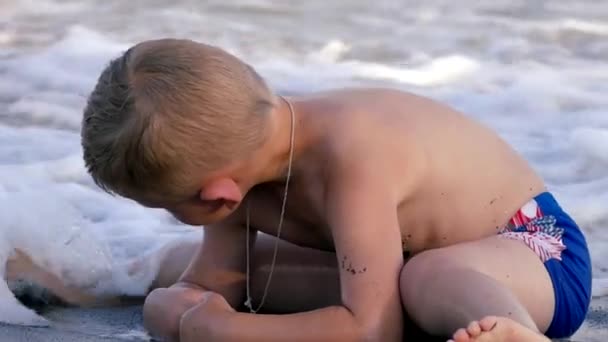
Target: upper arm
x=219, y=264
x=362, y=210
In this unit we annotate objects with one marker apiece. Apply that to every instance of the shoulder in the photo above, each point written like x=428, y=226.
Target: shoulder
x=357, y=167
x=371, y=150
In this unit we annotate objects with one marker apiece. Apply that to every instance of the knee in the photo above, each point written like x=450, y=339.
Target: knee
x=152, y=299
x=151, y=305
x=421, y=271
x=157, y=320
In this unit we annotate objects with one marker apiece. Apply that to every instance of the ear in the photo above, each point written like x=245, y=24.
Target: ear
x=222, y=189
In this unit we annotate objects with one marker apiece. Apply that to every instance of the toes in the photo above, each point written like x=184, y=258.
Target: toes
x=488, y=323
x=461, y=335
x=474, y=329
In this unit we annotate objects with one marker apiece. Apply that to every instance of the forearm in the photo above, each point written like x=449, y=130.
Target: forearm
x=334, y=323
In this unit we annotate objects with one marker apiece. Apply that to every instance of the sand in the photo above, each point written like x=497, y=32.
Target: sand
x=125, y=324
x=82, y=325
x=595, y=328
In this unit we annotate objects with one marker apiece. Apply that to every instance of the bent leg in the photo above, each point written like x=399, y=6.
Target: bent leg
x=175, y=258
x=303, y=278
x=448, y=288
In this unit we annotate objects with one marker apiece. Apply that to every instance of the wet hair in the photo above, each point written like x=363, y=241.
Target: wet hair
x=167, y=111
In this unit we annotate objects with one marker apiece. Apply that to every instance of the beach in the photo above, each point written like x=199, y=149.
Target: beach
x=534, y=71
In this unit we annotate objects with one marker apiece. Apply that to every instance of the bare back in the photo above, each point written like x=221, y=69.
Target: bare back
x=455, y=179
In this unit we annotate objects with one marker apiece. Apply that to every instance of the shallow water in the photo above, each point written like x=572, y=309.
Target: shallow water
x=535, y=71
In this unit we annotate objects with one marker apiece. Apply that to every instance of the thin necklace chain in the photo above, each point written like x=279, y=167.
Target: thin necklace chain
x=248, y=303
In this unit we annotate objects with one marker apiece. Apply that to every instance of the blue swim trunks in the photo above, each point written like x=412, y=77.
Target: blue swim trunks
x=557, y=240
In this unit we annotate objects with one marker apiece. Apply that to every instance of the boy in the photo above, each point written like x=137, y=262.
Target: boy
x=426, y=214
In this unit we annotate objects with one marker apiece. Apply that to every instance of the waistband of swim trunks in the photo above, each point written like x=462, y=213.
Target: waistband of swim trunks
x=543, y=204
x=549, y=205
x=546, y=199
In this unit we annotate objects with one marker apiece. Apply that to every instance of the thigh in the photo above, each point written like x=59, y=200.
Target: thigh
x=173, y=260
x=302, y=279
x=509, y=262
x=305, y=279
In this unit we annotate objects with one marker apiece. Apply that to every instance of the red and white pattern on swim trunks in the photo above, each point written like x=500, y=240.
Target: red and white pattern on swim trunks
x=537, y=231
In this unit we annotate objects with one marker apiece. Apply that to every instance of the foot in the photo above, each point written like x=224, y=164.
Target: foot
x=497, y=329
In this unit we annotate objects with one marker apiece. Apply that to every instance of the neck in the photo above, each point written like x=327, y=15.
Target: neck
x=276, y=150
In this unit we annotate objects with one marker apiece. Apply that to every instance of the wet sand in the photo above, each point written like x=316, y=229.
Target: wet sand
x=125, y=324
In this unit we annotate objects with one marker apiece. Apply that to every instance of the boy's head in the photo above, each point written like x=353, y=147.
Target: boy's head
x=166, y=118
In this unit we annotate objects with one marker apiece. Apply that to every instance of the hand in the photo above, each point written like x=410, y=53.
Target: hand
x=207, y=321
x=164, y=308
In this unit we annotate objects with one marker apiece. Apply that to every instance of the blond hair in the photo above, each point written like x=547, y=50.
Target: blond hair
x=168, y=110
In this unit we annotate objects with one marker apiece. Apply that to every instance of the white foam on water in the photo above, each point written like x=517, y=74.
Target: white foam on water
x=585, y=26
x=552, y=111
x=131, y=335
x=51, y=209
x=51, y=86
x=53, y=213
x=592, y=143
x=42, y=7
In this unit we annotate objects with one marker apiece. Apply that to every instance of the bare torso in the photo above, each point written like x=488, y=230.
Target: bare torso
x=455, y=179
